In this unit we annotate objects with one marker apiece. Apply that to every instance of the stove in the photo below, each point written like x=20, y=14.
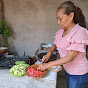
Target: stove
x=43, y=50
x=8, y=62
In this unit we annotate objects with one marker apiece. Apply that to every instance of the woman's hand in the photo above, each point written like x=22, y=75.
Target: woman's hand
x=45, y=58
x=43, y=66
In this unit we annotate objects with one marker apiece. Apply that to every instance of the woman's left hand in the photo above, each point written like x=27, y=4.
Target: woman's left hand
x=43, y=66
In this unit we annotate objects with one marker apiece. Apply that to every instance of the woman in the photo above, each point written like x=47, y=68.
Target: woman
x=70, y=41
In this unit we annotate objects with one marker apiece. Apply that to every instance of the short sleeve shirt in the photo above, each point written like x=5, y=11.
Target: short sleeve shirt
x=75, y=40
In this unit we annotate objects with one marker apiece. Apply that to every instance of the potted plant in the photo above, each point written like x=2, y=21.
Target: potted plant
x=5, y=31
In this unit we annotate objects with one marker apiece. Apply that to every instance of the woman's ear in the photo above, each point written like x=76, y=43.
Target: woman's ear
x=71, y=15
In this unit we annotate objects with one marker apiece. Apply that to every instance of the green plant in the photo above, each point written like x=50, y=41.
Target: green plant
x=5, y=31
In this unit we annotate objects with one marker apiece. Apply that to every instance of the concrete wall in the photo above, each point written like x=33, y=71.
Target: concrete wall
x=33, y=22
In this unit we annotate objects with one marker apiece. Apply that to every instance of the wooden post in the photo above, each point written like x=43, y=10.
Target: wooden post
x=1, y=36
x=1, y=40
x=0, y=9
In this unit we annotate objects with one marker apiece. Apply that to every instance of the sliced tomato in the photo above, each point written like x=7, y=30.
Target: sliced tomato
x=34, y=72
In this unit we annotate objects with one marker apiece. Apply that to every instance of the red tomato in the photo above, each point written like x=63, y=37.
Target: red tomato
x=33, y=72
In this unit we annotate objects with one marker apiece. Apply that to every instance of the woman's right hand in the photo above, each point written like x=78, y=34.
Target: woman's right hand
x=45, y=58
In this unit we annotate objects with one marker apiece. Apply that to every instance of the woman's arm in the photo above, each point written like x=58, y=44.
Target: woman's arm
x=70, y=56
x=52, y=49
x=47, y=56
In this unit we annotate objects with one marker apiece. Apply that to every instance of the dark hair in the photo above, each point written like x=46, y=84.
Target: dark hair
x=78, y=15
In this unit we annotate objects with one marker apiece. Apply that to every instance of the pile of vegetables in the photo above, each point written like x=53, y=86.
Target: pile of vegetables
x=18, y=70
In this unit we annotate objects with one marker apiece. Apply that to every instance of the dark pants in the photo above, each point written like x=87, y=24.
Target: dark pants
x=76, y=81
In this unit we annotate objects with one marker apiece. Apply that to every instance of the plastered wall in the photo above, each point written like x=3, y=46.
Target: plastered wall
x=33, y=22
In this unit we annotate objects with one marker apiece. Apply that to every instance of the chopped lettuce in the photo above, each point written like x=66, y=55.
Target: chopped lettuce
x=18, y=70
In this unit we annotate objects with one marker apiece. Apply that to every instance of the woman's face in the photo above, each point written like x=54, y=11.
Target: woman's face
x=63, y=20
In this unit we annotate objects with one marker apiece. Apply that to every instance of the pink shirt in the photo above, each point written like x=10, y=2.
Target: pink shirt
x=75, y=40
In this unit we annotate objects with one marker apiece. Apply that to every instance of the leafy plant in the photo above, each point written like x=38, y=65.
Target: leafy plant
x=6, y=31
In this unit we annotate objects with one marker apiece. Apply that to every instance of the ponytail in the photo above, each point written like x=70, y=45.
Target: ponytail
x=79, y=17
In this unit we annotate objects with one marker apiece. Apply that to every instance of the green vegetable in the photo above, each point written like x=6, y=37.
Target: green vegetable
x=19, y=62
x=18, y=70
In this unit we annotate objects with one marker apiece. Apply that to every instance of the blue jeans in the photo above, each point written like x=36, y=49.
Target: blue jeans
x=76, y=81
